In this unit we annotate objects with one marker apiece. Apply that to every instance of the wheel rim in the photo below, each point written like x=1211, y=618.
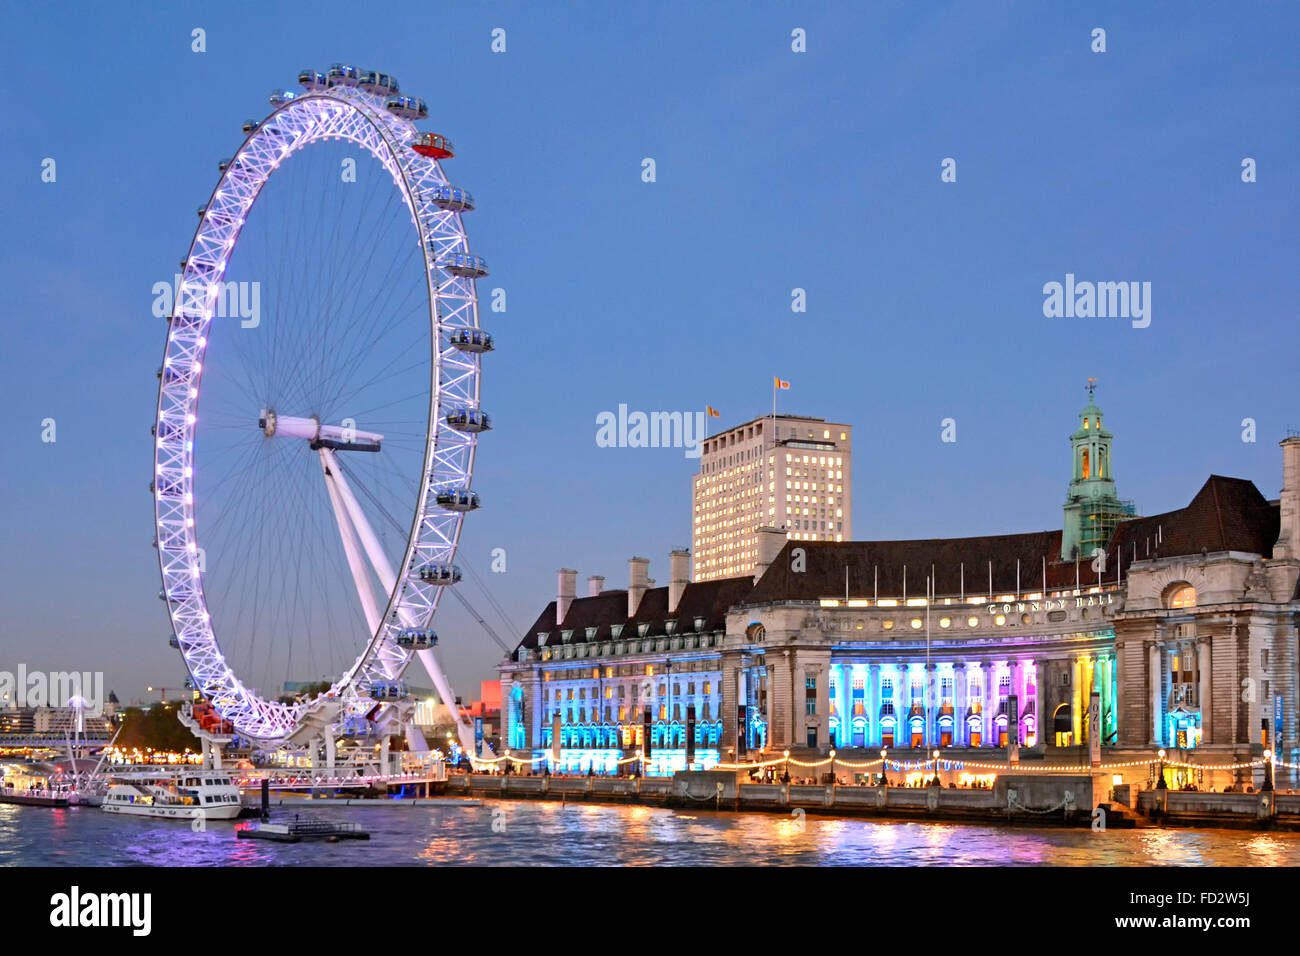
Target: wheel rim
x=339, y=114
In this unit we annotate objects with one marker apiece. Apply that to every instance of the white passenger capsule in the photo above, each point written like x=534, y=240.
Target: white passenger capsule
x=312, y=80
x=470, y=420
x=342, y=74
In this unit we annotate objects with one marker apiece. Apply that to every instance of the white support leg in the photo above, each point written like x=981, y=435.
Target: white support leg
x=463, y=729
x=333, y=484
x=388, y=580
x=415, y=741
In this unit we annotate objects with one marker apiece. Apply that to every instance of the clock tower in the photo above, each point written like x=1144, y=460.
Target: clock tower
x=1091, y=507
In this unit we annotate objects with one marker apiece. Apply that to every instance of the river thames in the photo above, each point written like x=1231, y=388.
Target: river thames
x=512, y=833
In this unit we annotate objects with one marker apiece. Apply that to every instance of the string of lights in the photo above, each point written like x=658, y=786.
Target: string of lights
x=1028, y=767
x=925, y=764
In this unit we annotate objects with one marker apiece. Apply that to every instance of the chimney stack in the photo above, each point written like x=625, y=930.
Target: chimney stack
x=566, y=589
x=770, y=543
x=595, y=584
x=679, y=575
x=638, y=583
x=1288, y=539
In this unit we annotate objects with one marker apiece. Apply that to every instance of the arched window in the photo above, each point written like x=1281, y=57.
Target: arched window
x=1084, y=463
x=1063, y=726
x=1180, y=595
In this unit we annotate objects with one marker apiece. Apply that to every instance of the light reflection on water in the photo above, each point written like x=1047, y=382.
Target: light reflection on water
x=541, y=834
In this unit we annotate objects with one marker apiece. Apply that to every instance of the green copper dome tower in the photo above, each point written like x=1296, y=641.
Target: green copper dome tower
x=1091, y=507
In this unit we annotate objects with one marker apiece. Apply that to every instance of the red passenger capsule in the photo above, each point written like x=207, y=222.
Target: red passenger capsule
x=433, y=145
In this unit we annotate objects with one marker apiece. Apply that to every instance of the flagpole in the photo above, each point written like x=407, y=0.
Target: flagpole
x=773, y=430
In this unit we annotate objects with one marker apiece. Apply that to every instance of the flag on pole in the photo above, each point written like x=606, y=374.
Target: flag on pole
x=780, y=384
x=713, y=412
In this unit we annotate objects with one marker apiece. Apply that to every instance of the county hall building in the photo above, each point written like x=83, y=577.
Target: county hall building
x=1178, y=630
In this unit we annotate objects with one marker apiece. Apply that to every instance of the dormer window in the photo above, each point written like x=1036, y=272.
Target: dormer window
x=541, y=638
x=699, y=624
x=591, y=633
x=616, y=630
x=566, y=636
x=670, y=627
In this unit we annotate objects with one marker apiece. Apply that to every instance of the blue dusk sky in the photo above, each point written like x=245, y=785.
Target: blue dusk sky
x=775, y=170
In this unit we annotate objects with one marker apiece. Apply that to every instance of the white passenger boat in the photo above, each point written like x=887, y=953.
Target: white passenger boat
x=174, y=795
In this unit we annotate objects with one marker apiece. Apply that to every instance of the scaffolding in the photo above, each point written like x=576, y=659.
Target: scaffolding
x=1099, y=521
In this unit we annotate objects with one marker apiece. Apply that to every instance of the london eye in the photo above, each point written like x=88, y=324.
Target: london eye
x=309, y=509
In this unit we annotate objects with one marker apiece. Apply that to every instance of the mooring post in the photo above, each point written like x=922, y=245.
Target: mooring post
x=266, y=798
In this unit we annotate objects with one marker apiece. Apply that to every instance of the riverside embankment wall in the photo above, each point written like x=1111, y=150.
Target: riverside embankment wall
x=1022, y=800
x=1063, y=801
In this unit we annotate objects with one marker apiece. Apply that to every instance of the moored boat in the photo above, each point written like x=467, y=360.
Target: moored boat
x=174, y=795
x=35, y=784
x=34, y=796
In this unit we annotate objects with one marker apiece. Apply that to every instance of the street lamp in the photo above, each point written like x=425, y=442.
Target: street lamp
x=1160, y=781
x=936, y=769
x=787, y=764
x=833, y=781
x=884, y=779
x=1267, y=786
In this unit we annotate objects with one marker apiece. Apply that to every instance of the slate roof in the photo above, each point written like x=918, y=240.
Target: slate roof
x=1227, y=514
x=709, y=600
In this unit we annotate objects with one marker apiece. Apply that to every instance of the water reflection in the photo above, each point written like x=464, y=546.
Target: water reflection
x=541, y=834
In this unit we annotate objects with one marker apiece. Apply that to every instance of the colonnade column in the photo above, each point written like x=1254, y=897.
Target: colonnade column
x=535, y=695
x=990, y=691
x=1079, y=700
x=930, y=700
x=1041, y=716
x=1203, y=700
x=848, y=674
x=1019, y=686
x=873, y=706
x=1153, y=687
x=959, y=738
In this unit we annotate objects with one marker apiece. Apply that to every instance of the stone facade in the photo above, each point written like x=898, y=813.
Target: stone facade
x=1184, y=632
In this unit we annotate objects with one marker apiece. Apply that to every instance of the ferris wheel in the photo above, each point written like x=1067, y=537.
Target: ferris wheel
x=308, y=512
